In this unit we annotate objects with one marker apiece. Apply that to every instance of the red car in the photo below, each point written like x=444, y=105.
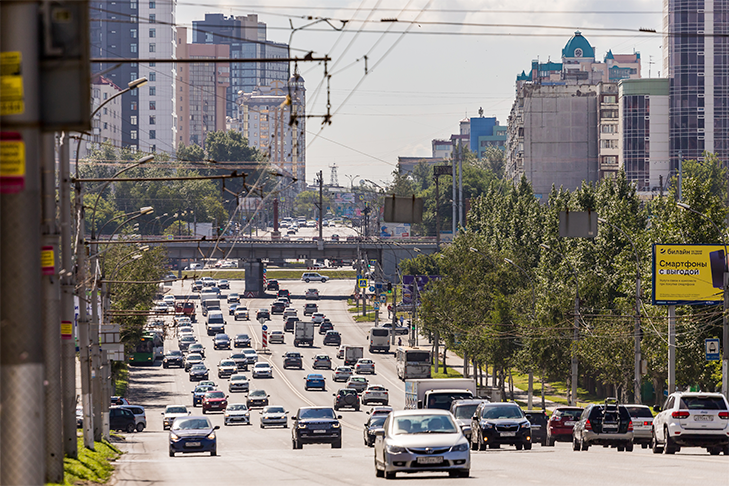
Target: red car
x=561, y=423
x=186, y=309
x=214, y=400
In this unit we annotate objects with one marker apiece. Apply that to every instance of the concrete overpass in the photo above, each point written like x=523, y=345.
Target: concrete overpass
x=388, y=252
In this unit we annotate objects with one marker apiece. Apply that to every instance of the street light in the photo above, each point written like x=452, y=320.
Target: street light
x=725, y=321
x=575, y=327
x=637, y=374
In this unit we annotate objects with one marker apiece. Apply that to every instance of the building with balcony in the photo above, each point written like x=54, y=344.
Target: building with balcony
x=106, y=124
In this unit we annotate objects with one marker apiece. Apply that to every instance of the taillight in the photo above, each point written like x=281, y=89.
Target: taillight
x=588, y=425
x=724, y=415
x=680, y=414
x=630, y=426
x=646, y=423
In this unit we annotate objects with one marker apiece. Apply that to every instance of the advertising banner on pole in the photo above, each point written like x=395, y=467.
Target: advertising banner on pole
x=688, y=274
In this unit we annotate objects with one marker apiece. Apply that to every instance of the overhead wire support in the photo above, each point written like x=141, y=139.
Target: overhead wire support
x=307, y=58
x=232, y=175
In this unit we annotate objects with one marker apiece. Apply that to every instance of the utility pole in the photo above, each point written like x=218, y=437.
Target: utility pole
x=68, y=346
x=454, y=201
x=461, y=215
x=22, y=424
x=321, y=205
x=437, y=215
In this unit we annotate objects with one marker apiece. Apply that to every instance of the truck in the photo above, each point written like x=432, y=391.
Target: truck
x=438, y=393
x=379, y=339
x=352, y=354
x=303, y=333
x=209, y=305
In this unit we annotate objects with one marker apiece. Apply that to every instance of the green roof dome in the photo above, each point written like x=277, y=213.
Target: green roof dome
x=578, y=46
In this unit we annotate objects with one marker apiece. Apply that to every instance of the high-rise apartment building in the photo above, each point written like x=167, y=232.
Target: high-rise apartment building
x=132, y=30
x=696, y=61
x=106, y=124
x=246, y=37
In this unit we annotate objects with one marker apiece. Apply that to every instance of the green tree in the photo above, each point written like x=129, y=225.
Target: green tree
x=306, y=203
x=190, y=153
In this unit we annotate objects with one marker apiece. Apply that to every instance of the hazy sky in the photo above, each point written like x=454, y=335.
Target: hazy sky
x=441, y=61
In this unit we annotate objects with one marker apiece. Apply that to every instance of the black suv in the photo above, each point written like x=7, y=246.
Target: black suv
x=272, y=285
x=606, y=425
x=316, y=425
x=278, y=308
x=283, y=293
x=499, y=423
x=538, y=420
x=122, y=419
x=221, y=341
x=326, y=326
x=263, y=313
x=346, y=397
x=293, y=360
x=290, y=324
x=332, y=338
x=173, y=358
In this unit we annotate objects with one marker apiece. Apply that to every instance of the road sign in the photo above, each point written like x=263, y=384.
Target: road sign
x=378, y=285
x=402, y=319
x=373, y=263
x=383, y=299
x=376, y=305
x=362, y=283
x=359, y=277
x=264, y=327
x=372, y=289
x=712, y=349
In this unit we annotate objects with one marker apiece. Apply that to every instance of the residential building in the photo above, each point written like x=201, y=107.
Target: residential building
x=608, y=130
x=246, y=37
x=696, y=61
x=273, y=119
x=644, y=133
x=442, y=148
x=106, y=124
x=139, y=29
x=202, y=90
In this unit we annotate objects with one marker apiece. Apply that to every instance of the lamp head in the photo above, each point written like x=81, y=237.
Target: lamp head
x=508, y=261
x=473, y=250
x=683, y=205
x=601, y=220
x=545, y=246
x=145, y=159
x=146, y=210
x=137, y=82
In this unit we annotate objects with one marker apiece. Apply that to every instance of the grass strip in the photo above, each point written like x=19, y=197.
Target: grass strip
x=91, y=466
x=451, y=373
x=121, y=381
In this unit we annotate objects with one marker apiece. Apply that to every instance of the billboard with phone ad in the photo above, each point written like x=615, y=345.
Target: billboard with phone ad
x=688, y=274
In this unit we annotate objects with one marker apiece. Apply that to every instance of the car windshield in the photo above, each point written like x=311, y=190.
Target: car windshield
x=227, y=363
x=215, y=394
x=643, y=412
x=238, y=378
x=316, y=413
x=198, y=367
x=702, y=403
x=238, y=406
x=508, y=412
x=221, y=337
x=274, y=410
x=250, y=351
x=261, y=365
x=203, y=389
x=378, y=421
x=242, y=336
x=191, y=424
x=424, y=424
x=258, y=393
x=465, y=411
x=176, y=410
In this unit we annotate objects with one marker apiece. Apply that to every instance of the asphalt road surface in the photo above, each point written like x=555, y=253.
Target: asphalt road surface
x=255, y=456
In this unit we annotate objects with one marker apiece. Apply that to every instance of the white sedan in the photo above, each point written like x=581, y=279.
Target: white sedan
x=276, y=337
x=262, y=370
x=241, y=313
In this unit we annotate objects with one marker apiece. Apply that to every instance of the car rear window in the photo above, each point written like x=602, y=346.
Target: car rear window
x=640, y=412
x=703, y=403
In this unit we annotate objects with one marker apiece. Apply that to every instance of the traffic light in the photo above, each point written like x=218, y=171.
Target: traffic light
x=389, y=287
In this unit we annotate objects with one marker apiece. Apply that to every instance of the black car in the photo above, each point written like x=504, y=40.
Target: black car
x=293, y=360
x=283, y=293
x=199, y=372
x=290, y=324
x=242, y=341
x=272, y=285
x=241, y=361
x=499, y=423
x=257, y=398
x=221, y=341
x=122, y=419
x=326, y=326
x=278, y=308
x=316, y=425
x=263, y=313
x=371, y=426
x=173, y=358
x=332, y=338
x=346, y=398
x=538, y=420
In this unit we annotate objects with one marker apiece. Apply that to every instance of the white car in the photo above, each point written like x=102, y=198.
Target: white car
x=313, y=277
x=692, y=419
x=237, y=413
x=375, y=393
x=241, y=313
x=364, y=365
x=273, y=415
x=229, y=265
x=262, y=370
x=251, y=354
x=171, y=413
x=289, y=313
x=276, y=337
x=312, y=294
x=169, y=299
x=317, y=318
x=233, y=298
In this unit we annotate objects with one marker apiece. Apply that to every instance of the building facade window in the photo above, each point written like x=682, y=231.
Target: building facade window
x=152, y=33
x=133, y=119
x=153, y=48
x=152, y=134
x=133, y=33
x=133, y=134
x=152, y=91
x=152, y=4
x=152, y=120
x=134, y=106
x=133, y=4
x=152, y=18
x=152, y=105
x=153, y=76
x=132, y=47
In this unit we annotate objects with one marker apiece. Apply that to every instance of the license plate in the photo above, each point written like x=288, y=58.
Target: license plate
x=703, y=418
x=570, y=422
x=320, y=431
x=192, y=444
x=430, y=460
x=507, y=434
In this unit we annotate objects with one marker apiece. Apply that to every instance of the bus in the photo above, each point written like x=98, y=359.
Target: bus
x=379, y=339
x=149, y=348
x=412, y=363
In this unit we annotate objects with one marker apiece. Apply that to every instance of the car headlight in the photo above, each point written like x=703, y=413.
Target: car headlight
x=302, y=426
x=393, y=449
x=525, y=425
x=486, y=425
x=174, y=437
x=460, y=447
x=211, y=436
x=336, y=425
x=227, y=414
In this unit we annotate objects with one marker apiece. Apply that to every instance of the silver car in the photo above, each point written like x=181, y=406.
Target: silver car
x=273, y=415
x=421, y=440
x=237, y=413
x=642, y=424
x=238, y=383
x=171, y=413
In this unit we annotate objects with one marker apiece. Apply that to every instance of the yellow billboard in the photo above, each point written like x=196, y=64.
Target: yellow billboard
x=688, y=274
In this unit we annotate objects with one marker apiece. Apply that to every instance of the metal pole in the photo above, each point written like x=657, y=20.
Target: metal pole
x=68, y=346
x=575, y=338
x=637, y=378
x=321, y=205
x=725, y=339
x=671, y=349
x=454, y=189
x=22, y=442
x=51, y=297
x=84, y=341
x=437, y=215
x=95, y=348
x=460, y=190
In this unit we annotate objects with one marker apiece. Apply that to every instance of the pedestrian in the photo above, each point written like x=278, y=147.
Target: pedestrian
x=389, y=310
x=399, y=341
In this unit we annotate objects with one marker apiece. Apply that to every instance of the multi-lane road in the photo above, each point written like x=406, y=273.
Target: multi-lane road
x=251, y=455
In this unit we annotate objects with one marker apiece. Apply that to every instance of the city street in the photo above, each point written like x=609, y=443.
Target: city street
x=251, y=455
